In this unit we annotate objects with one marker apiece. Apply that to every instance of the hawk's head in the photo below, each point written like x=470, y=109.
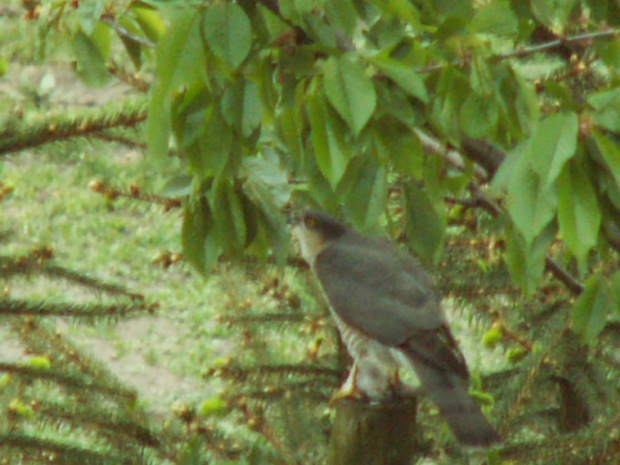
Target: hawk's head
x=314, y=231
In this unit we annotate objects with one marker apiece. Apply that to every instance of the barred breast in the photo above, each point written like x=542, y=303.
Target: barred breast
x=375, y=366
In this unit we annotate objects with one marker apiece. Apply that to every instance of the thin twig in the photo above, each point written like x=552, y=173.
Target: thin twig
x=586, y=37
x=532, y=50
x=121, y=31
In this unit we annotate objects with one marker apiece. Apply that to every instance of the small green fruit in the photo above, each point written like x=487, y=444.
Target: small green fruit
x=17, y=407
x=516, y=354
x=5, y=380
x=39, y=362
x=214, y=406
x=492, y=337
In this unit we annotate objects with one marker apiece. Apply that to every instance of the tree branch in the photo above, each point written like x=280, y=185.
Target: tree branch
x=45, y=132
x=531, y=50
x=124, y=33
x=579, y=38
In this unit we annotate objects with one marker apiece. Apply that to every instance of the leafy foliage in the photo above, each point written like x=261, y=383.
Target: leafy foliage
x=338, y=97
x=404, y=116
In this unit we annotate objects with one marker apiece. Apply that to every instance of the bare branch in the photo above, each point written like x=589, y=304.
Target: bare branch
x=124, y=33
x=532, y=50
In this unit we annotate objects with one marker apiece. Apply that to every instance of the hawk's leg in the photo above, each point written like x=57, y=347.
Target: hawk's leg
x=349, y=388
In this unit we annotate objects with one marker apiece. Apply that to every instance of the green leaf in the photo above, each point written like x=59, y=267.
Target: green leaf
x=495, y=18
x=90, y=64
x=272, y=221
x=553, y=143
x=531, y=204
x=4, y=66
x=364, y=190
x=228, y=32
x=526, y=103
x=330, y=150
x=350, y=91
x=198, y=246
x=425, y=225
x=502, y=177
x=342, y=15
x=479, y=115
x=553, y=13
x=590, y=311
x=526, y=262
x=89, y=15
x=178, y=185
x=481, y=79
x=102, y=38
x=268, y=173
x=323, y=34
x=402, y=147
x=132, y=46
x=228, y=215
x=252, y=109
x=397, y=103
x=401, y=9
x=452, y=89
x=242, y=107
x=614, y=289
x=579, y=216
x=607, y=109
x=609, y=52
x=149, y=19
x=179, y=59
x=610, y=154
x=562, y=93
x=215, y=143
x=405, y=76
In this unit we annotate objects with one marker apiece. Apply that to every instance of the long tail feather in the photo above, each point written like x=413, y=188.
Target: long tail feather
x=450, y=393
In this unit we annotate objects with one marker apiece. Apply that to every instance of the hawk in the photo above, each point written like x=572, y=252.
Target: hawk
x=390, y=318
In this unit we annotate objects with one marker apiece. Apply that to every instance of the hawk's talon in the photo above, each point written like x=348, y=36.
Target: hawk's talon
x=346, y=394
x=349, y=389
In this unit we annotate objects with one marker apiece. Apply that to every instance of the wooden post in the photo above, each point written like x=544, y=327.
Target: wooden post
x=373, y=434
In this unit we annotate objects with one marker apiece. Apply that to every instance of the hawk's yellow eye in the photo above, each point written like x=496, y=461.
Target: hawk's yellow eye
x=310, y=222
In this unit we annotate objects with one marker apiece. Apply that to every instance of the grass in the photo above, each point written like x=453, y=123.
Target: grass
x=52, y=206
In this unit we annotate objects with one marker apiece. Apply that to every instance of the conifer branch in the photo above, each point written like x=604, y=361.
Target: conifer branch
x=307, y=390
x=40, y=338
x=62, y=452
x=258, y=423
x=75, y=382
x=115, y=422
x=109, y=136
x=46, y=131
x=239, y=372
x=38, y=263
x=134, y=193
x=109, y=311
x=60, y=272
x=266, y=318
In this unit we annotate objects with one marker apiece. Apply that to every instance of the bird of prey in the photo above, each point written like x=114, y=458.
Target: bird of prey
x=390, y=319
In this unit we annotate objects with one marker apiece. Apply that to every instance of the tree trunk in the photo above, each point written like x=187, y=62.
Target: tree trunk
x=370, y=434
